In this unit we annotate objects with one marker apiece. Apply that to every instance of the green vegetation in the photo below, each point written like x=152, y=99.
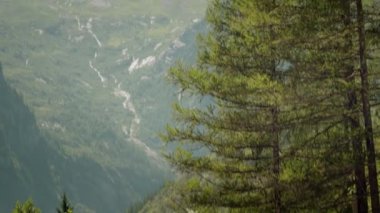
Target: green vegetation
x=90, y=143
x=284, y=123
x=65, y=206
x=27, y=207
x=47, y=60
x=278, y=114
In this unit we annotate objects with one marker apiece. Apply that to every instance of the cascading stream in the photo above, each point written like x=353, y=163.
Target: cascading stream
x=88, y=27
x=132, y=132
x=118, y=92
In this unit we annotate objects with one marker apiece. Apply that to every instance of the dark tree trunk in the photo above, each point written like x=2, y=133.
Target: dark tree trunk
x=371, y=157
x=276, y=161
x=353, y=123
x=276, y=141
x=360, y=181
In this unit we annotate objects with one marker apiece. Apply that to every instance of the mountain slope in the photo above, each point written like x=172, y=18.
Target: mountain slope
x=93, y=74
x=24, y=168
x=29, y=167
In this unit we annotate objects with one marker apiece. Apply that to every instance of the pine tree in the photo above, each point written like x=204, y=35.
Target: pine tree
x=27, y=207
x=370, y=144
x=326, y=32
x=344, y=42
x=322, y=61
x=65, y=206
x=280, y=127
x=240, y=73
x=353, y=120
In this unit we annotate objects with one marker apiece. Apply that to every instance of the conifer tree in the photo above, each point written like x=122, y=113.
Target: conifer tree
x=338, y=46
x=282, y=129
x=240, y=130
x=366, y=107
x=65, y=206
x=27, y=207
x=323, y=60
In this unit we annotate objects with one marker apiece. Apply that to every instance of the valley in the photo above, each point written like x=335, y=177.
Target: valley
x=93, y=73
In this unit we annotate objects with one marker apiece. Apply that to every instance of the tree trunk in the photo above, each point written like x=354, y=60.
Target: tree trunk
x=371, y=158
x=276, y=140
x=360, y=181
x=353, y=122
x=276, y=161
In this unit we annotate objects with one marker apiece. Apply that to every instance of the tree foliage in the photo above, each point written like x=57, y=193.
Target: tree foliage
x=27, y=207
x=65, y=206
x=280, y=126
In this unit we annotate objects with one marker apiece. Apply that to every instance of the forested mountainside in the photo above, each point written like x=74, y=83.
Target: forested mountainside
x=80, y=63
x=31, y=168
x=278, y=112
x=24, y=168
x=93, y=77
